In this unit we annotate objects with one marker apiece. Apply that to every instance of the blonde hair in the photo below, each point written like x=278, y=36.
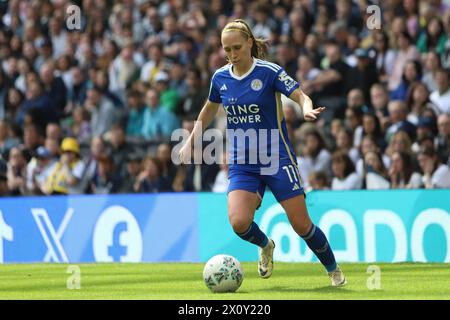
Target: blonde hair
x=259, y=48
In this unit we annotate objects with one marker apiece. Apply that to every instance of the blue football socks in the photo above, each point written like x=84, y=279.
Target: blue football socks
x=254, y=235
x=318, y=243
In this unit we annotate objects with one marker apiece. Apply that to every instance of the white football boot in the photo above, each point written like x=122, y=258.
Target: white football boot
x=337, y=277
x=265, y=263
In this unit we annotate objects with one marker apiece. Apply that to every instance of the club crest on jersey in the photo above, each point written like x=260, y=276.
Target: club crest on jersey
x=256, y=84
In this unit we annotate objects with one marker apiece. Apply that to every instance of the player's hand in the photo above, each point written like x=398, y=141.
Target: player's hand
x=313, y=114
x=185, y=154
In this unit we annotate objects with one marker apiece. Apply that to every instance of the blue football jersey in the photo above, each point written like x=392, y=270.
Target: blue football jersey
x=255, y=120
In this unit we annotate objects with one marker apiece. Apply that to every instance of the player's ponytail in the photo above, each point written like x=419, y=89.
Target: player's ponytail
x=260, y=46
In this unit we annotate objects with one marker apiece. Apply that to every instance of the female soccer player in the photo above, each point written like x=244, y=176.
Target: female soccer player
x=249, y=90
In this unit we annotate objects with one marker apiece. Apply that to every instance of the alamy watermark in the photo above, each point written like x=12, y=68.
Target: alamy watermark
x=74, y=280
x=251, y=146
x=374, y=280
x=374, y=20
x=73, y=17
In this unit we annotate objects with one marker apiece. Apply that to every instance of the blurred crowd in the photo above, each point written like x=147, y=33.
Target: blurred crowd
x=92, y=110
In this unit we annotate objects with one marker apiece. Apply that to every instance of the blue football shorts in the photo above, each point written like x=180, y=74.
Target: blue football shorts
x=284, y=184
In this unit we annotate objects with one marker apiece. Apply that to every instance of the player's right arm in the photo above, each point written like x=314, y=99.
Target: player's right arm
x=204, y=119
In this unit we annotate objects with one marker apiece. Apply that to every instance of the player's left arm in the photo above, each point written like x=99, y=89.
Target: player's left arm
x=309, y=113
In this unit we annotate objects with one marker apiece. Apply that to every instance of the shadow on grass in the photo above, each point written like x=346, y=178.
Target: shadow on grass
x=326, y=289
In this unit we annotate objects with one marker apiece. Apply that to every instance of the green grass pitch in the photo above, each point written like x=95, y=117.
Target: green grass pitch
x=183, y=281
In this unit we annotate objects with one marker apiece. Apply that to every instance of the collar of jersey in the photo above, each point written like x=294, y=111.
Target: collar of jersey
x=245, y=74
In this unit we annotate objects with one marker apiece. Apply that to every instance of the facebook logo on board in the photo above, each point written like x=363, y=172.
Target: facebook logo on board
x=117, y=236
x=116, y=250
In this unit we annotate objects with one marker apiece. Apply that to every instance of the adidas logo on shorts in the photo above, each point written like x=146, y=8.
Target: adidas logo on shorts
x=296, y=187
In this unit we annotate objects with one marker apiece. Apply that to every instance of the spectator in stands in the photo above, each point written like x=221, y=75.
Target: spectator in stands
x=418, y=101
x=103, y=114
x=344, y=143
x=441, y=97
x=108, y=54
x=85, y=170
x=411, y=12
x=168, y=97
x=53, y=147
x=400, y=142
x=106, y=180
x=6, y=141
x=306, y=70
x=44, y=50
x=170, y=36
x=54, y=87
x=427, y=126
x=443, y=138
x=411, y=73
x=371, y=126
x=119, y=149
x=4, y=190
x=379, y=99
x=101, y=80
x=192, y=103
x=13, y=102
x=135, y=116
x=76, y=92
x=263, y=24
x=344, y=175
x=153, y=65
x=53, y=130
x=58, y=35
x=353, y=122
x=385, y=56
x=431, y=65
x=36, y=99
x=177, y=76
x=435, y=174
x=149, y=179
x=199, y=177
x=38, y=170
x=318, y=180
x=16, y=174
x=61, y=177
x=330, y=85
x=23, y=67
x=3, y=94
x=221, y=182
x=433, y=38
x=312, y=49
x=158, y=122
x=286, y=57
x=80, y=126
x=375, y=173
x=123, y=71
x=401, y=172
x=133, y=164
x=406, y=52
x=168, y=169
x=291, y=117
x=33, y=137
x=398, y=113
x=368, y=144
x=364, y=74
x=314, y=156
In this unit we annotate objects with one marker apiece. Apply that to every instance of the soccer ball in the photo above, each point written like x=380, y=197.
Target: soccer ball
x=223, y=273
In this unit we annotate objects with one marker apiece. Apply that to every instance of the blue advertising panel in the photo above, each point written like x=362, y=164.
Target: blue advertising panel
x=125, y=228
x=362, y=226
